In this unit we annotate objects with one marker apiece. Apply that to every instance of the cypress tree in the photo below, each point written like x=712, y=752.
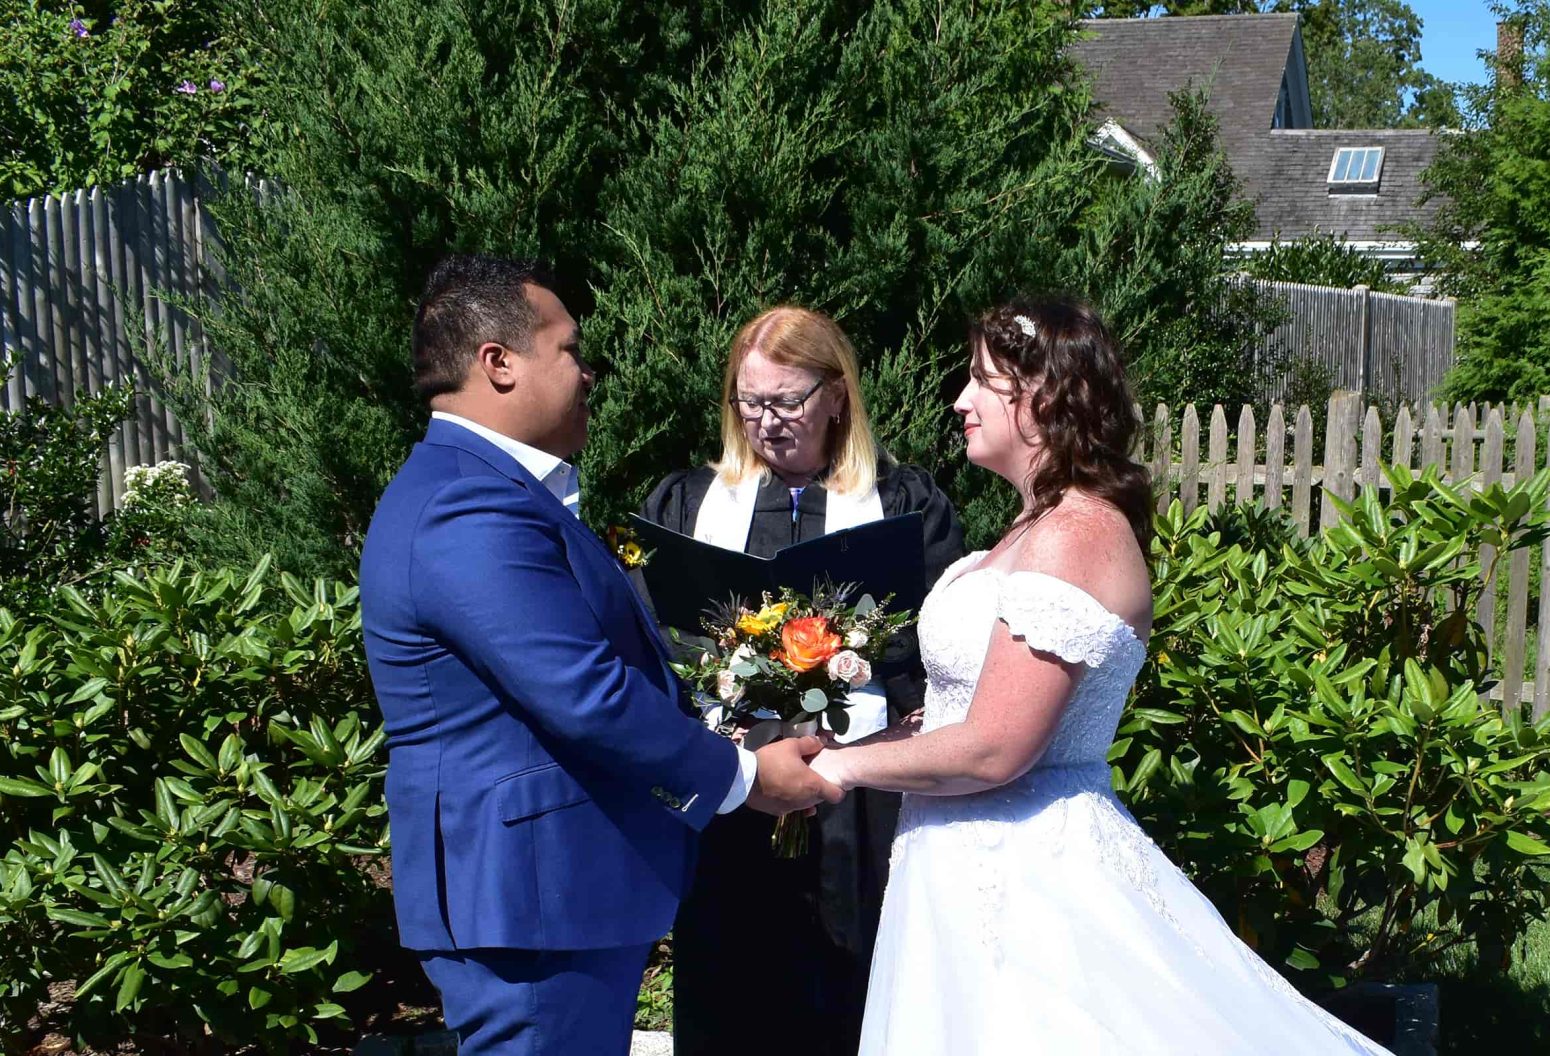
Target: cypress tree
x=896, y=163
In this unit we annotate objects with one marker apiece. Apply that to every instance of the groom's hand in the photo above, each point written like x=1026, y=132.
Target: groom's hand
x=784, y=782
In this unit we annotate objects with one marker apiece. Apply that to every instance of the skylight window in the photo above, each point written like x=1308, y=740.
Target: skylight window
x=1356, y=168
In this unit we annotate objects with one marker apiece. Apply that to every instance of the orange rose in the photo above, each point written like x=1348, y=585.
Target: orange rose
x=808, y=642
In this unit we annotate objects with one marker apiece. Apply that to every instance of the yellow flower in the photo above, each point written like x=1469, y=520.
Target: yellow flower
x=633, y=555
x=763, y=621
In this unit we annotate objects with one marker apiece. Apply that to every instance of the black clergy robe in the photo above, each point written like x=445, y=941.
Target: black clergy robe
x=770, y=955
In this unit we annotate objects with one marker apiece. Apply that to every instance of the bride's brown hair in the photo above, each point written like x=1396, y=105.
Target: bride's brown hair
x=1057, y=351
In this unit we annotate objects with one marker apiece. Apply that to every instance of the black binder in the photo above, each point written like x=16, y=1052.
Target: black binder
x=686, y=577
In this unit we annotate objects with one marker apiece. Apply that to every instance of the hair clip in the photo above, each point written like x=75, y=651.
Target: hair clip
x=1026, y=325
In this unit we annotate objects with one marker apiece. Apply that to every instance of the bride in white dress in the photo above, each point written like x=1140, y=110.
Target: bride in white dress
x=1026, y=911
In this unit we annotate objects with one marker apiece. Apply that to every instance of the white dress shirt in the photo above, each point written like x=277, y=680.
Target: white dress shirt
x=562, y=481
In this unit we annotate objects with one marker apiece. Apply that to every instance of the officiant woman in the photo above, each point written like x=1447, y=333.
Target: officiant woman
x=772, y=955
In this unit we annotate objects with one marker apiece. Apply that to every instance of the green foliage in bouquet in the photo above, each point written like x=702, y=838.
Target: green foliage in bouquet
x=1311, y=740
x=191, y=809
x=797, y=657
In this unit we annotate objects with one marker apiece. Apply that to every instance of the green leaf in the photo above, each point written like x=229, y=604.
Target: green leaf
x=77, y=917
x=1524, y=844
x=1301, y=958
x=1300, y=842
x=350, y=982
x=304, y=957
x=176, y=960
x=129, y=986
x=814, y=701
x=1337, y=765
x=23, y=787
x=197, y=751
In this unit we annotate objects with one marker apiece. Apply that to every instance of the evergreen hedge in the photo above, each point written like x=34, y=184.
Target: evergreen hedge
x=896, y=163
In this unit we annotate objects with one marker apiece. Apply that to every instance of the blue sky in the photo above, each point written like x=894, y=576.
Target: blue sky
x=1453, y=32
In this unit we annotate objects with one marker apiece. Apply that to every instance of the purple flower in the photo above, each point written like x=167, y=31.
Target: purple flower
x=188, y=88
x=79, y=28
x=217, y=86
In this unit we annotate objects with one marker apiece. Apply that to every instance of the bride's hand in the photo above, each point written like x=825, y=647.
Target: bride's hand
x=829, y=764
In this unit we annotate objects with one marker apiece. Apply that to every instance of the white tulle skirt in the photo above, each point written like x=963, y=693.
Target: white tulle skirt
x=1043, y=920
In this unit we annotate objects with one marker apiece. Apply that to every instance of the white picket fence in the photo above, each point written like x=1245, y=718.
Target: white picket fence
x=1297, y=471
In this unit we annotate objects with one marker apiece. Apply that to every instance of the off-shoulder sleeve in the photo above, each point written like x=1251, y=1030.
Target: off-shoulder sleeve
x=1053, y=616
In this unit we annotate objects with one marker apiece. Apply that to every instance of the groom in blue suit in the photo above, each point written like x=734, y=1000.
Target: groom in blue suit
x=546, y=786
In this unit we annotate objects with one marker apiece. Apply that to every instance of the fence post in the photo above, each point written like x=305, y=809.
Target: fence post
x=1302, y=470
x=1364, y=336
x=1339, y=455
x=1517, y=581
x=1189, y=460
x=1162, y=456
x=1216, y=483
x=1275, y=456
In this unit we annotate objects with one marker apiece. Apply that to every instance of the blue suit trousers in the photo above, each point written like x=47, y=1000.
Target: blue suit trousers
x=539, y=1002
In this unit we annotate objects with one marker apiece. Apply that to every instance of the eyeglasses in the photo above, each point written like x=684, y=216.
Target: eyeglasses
x=786, y=408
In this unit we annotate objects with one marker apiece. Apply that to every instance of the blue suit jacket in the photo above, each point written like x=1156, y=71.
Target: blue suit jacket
x=544, y=788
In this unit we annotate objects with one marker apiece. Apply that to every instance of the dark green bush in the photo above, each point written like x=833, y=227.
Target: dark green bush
x=50, y=461
x=191, y=808
x=51, y=458
x=1311, y=740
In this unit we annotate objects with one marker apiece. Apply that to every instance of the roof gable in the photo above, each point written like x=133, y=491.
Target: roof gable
x=1239, y=60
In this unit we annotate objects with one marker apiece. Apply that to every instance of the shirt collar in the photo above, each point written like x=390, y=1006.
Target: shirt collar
x=556, y=474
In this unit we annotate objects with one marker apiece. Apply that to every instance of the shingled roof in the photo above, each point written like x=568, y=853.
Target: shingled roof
x=1240, y=60
x=1243, y=63
x=1285, y=173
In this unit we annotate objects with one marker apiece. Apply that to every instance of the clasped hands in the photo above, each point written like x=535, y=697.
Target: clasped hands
x=785, y=782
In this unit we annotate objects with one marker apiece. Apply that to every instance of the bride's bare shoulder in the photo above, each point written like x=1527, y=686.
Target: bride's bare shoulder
x=1089, y=544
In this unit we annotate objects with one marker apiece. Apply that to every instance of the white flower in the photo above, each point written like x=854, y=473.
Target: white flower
x=728, y=688
x=166, y=482
x=742, y=653
x=857, y=638
x=848, y=667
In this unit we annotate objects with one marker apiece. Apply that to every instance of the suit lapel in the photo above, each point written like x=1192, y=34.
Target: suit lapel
x=449, y=434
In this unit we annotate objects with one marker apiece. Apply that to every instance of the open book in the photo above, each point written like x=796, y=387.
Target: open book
x=685, y=576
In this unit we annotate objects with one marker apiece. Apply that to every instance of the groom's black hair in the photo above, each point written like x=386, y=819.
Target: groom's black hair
x=471, y=299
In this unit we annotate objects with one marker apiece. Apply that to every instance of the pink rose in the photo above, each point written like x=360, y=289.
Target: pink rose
x=847, y=667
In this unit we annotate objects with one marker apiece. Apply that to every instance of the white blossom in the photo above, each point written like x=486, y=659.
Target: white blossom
x=728, y=688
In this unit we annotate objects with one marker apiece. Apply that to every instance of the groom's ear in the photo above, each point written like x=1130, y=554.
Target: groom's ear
x=498, y=364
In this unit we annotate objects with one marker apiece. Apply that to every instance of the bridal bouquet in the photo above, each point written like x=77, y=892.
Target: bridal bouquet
x=776, y=670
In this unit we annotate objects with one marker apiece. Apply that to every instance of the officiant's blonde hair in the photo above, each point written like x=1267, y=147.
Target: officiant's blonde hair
x=797, y=337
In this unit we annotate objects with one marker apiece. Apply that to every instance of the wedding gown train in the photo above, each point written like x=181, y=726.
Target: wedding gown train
x=1038, y=917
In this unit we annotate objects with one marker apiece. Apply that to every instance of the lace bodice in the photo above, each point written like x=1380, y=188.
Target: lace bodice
x=1052, y=616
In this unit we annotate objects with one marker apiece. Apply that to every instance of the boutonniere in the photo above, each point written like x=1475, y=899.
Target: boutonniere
x=627, y=548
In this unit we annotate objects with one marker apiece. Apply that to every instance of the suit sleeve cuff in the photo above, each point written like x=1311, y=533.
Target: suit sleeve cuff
x=742, y=781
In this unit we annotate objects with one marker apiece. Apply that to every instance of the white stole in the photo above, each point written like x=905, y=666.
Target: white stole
x=724, y=520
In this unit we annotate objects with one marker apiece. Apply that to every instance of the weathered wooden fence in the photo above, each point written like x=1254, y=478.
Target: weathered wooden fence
x=1385, y=344
x=1282, y=463
x=80, y=275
